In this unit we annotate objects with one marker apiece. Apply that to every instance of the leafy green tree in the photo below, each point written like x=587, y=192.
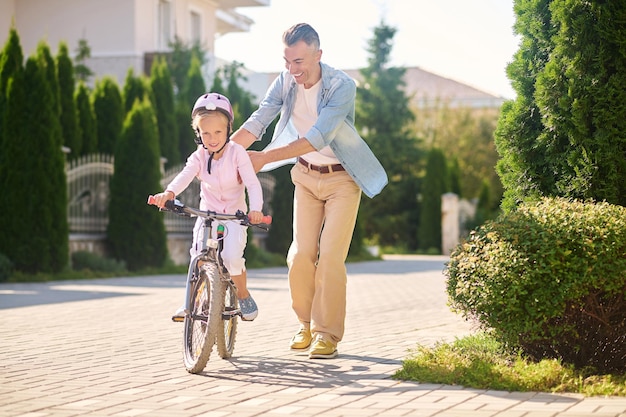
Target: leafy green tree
x=11, y=62
x=87, y=121
x=281, y=232
x=435, y=185
x=384, y=118
x=109, y=114
x=37, y=239
x=180, y=61
x=53, y=164
x=136, y=231
x=14, y=115
x=135, y=88
x=466, y=136
x=563, y=135
x=194, y=87
x=69, y=116
x=243, y=100
x=163, y=93
x=83, y=52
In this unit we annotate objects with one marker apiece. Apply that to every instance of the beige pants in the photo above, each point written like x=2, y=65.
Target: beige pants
x=325, y=211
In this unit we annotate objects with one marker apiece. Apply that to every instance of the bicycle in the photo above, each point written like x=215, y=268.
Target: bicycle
x=211, y=304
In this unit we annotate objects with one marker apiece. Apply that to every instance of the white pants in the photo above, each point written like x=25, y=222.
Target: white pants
x=235, y=239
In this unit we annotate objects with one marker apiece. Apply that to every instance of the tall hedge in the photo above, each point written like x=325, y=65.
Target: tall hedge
x=109, y=113
x=435, y=185
x=136, y=231
x=565, y=133
x=35, y=237
x=194, y=87
x=14, y=114
x=69, y=118
x=54, y=193
x=87, y=121
x=163, y=93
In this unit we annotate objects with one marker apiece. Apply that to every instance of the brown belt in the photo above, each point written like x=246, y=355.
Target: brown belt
x=322, y=169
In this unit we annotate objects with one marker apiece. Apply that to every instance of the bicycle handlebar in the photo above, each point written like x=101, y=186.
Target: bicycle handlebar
x=179, y=208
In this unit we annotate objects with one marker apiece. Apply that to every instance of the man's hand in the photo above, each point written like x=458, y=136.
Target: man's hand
x=258, y=159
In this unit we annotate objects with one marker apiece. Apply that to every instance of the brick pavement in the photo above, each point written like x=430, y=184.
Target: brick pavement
x=106, y=347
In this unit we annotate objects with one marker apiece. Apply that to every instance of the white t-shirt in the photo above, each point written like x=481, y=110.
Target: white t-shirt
x=304, y=116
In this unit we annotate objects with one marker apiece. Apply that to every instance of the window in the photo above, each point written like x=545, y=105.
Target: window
x=164, y=32
x=195, y=26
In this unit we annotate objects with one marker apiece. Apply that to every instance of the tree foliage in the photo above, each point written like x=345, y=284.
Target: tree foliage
x=564, y=133
x=194, y=87
x=83, y=52
x=109, y=113
x=69, y=117
x=87, y=120
x=436, y=183
x=136, y=231
x=383, y=117
x=163, y=94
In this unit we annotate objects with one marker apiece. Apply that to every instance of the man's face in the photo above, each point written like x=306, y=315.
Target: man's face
x=303, y=62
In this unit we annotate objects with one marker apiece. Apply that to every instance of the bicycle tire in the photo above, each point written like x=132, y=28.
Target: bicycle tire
x=226, y=337
x=203, y=324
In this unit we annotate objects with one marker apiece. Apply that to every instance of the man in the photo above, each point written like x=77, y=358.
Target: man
x=332, y=166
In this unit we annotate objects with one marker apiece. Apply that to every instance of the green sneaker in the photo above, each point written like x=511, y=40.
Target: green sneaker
x=322, y=349
x=302, y=339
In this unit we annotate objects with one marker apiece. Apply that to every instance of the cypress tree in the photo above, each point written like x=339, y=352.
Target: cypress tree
x=563, y=135
x=136, y=231
x=384, y=118
x=69, y=118
x=87, y=121
x=37, y=239
x=109, y=114
x=435, y=185
x=14, y=112
x=135, y=88
x=53, y=163
x=11, y=61
x=163, y=93
x=194, y=87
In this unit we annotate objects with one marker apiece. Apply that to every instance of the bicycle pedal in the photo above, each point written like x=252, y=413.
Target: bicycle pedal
x=227, y=315
x=178, y=319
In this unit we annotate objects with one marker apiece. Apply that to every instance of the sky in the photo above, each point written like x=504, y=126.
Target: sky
x=467, y=41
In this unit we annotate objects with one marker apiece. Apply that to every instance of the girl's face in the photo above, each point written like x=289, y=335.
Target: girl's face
x=213, y=131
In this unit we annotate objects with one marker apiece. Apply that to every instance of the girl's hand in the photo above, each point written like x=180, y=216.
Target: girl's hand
x=161, y=198
x=255, y=217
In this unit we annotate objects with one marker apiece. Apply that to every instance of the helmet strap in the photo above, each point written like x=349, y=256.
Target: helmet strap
x=208, y=168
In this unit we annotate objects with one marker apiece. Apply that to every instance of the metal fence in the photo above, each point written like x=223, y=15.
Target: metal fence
x=88, y=180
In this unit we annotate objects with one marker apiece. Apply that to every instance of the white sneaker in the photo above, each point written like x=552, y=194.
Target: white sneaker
x=179, y=315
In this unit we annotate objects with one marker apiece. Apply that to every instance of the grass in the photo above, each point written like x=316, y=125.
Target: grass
x=479, y=361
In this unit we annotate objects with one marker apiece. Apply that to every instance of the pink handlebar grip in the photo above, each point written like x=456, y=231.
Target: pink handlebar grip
x=151, y=200
x=267, y=219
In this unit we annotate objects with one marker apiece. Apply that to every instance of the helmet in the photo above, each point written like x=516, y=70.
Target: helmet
x=213, y=101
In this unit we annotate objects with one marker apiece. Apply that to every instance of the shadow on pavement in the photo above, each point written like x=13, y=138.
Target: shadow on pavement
x=302, y=373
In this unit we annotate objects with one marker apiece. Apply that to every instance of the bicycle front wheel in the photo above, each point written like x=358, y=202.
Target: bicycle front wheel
x=204, y=322
x=226, y=337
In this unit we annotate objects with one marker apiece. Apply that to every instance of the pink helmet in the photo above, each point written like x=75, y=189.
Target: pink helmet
x=213, y=101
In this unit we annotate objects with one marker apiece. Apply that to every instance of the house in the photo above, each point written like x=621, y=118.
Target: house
x=122, y=34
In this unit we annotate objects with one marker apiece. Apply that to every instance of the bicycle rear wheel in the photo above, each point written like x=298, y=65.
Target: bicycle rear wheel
x=204, y=322
x=226, y=337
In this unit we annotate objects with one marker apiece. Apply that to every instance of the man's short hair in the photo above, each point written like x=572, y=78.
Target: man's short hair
x=301, y=32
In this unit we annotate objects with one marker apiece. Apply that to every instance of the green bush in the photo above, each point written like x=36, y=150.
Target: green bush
x=549, y=279
x=83, y=260
x=6, y=268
